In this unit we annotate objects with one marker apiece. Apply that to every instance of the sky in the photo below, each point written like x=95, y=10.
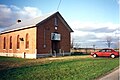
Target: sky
x=92, y=20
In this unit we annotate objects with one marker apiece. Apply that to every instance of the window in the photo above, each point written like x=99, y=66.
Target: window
x=4, y=43
x=27, y=41
x=108, y=50
x=102, y=50
x=56, y=22
x=10, y=42
x=18, y=42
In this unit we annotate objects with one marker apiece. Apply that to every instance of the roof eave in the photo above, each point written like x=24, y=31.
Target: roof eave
x=64, y=22
x=17, y=29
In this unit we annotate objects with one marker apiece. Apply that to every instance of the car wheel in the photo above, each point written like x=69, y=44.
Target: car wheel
x=112, y=56
x=94, y=55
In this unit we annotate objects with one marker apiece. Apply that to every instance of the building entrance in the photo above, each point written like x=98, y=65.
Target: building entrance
x=55, y=47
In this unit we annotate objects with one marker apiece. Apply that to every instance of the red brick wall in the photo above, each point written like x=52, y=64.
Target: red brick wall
x=48, y=27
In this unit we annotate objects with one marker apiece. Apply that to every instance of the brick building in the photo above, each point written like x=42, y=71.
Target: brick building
x=43, y=36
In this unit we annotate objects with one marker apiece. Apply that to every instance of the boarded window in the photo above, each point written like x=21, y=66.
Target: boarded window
x=4, y=43
x=18, y=42
x=27, y=41
x=10, y=42
x=56, y=22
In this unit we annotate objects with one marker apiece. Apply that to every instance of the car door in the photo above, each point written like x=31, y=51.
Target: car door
x=107, y=52
x=101, y=52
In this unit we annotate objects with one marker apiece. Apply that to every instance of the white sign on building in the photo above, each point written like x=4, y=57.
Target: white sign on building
x=55, y=36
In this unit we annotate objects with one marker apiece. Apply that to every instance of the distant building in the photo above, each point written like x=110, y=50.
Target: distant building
x=43, y=36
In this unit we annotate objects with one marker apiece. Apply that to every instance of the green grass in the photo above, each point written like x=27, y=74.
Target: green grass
x=11, y=59
x=74, y=69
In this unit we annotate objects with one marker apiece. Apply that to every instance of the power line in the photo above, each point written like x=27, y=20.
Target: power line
x=59, y=5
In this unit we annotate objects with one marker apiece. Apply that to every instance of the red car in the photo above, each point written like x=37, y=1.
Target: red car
x=105, y=53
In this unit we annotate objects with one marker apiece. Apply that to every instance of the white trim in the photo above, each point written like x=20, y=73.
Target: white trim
x=32, y=55
x=27, y=49
x=17, y=28
x=21, y=55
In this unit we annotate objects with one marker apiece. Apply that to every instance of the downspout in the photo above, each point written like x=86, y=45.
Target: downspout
x=44, y=39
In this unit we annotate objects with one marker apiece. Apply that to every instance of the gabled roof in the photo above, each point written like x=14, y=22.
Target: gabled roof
x=34, y=22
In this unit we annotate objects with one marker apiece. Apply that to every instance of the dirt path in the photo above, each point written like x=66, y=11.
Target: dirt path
x=69, y=57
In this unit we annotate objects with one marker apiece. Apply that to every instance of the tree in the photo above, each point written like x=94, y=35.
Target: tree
x=109, y=41
x=72, y=43
x=94, y=46
x=75, y=44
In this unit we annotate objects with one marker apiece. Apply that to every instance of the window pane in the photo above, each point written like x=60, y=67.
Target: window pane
x=56, y=22
x=18, y=42
x=27, y=41
x=4, y=43
x=10, y=42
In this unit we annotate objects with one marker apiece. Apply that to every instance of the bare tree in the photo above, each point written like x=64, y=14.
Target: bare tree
x=109, y=41
x=74, y=44
x=94, y=46
x=77, y=45
x=117, y=44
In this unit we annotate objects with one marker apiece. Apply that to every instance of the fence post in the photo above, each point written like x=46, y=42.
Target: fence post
x=63, y=53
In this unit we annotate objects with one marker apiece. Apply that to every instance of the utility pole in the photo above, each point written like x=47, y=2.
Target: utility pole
x=94, y=46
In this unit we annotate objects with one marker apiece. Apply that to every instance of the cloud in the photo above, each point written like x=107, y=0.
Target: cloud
x=89, y=33
x=88, y=26
x=30, y=12
x=118, y=2
x=98, y=29
x=104, y=29
x=10, y=14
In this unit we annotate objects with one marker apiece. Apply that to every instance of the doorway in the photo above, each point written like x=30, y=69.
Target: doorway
x=55, y=47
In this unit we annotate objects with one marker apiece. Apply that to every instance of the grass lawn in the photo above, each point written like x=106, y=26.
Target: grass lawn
x=65, y=69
